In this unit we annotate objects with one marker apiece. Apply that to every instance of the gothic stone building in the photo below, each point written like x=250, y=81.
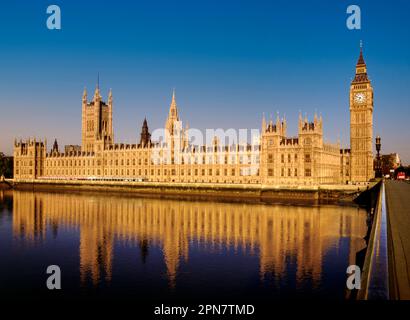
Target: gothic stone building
x=275, y=160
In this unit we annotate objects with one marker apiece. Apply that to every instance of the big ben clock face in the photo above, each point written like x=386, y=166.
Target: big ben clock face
x=360, y=97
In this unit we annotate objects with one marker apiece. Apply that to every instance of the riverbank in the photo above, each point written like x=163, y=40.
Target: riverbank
x=226, y=192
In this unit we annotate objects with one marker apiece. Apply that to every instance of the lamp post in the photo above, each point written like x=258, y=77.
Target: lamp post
x=378, y=162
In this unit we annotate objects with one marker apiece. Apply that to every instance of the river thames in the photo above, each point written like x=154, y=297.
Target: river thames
x=163, y=250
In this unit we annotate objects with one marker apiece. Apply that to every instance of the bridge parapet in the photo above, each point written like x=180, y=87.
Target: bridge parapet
x=375, y=275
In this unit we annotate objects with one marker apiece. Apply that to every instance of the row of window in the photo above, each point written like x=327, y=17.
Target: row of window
x=289, y=158
x=290, y=172
x=116, y=162
x=140, y=172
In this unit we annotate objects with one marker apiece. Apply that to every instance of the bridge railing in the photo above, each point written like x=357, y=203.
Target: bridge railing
x=375, y=275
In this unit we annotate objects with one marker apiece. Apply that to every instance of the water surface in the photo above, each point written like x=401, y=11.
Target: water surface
x=162, y=250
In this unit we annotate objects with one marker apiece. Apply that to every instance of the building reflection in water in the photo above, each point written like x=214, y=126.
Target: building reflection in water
x=276, y=233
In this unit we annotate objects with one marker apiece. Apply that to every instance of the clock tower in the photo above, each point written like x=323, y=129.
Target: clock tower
x=361, y=124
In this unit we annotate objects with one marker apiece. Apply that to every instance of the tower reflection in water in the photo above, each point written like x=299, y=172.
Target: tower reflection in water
x=276, y=234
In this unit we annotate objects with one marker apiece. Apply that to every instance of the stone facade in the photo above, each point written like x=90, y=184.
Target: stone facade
x=275, y=158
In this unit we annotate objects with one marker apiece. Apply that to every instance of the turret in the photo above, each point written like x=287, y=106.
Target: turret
x=172, y=115
x=263, y=123
x=145, y=139
x=55, y=147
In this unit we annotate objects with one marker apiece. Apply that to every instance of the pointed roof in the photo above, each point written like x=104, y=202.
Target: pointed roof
x=173, y=97
x=361, y=72
x=360, y=61
x=97, y=92
x=173, y=110
x=55, y=146
x=145, y=135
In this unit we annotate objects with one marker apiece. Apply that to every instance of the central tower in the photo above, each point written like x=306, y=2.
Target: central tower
x=97, y=129
x=361, y=124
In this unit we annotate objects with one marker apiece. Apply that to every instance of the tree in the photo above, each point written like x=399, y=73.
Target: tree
x=6, y=166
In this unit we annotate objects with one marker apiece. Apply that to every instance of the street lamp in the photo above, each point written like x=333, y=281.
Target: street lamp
x=378, y=162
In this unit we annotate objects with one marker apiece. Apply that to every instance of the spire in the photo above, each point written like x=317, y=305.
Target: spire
x=85, y=95
x=173, y=111
x=361, y=69
x=173, y=97
x=97, y=88
x=55, y=146
x=263, y=123
x=360, y=61
x=145, y=135
x=110, y=96
x=300, y=120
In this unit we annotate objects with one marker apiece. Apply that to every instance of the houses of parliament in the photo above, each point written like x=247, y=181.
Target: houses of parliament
x=275, y=159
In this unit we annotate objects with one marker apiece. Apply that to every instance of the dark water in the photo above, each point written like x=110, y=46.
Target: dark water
x=167, y=250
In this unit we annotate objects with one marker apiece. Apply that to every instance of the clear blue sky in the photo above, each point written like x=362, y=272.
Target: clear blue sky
x=228, y=60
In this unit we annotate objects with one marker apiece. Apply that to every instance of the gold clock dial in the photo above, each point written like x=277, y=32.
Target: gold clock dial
x=360, y=97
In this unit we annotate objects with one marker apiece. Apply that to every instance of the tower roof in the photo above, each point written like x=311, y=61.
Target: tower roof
x=173, y=109
x=360, y=61
x=361, y=70
x=173, y=97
